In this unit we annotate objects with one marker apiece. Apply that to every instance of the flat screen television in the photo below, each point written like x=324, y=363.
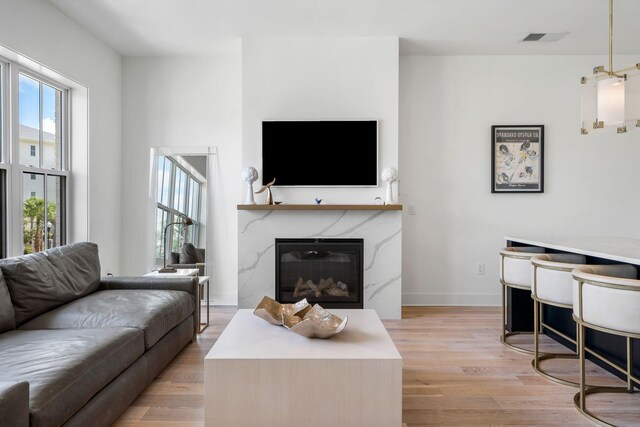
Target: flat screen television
x=320, y=153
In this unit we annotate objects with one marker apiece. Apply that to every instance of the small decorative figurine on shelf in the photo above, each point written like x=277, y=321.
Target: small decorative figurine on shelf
x=389, y=175
x=318, y=201
x=249, y=175
x=267, y=188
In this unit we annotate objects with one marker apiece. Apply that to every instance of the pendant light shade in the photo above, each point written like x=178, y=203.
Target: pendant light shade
x=611, y=99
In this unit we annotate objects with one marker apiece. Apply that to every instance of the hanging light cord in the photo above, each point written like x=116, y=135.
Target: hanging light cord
x=610, y=38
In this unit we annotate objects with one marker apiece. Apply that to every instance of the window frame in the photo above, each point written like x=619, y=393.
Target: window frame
x=12, y=227
x=5, y=164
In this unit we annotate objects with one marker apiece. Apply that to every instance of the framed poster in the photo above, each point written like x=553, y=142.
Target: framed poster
x=517, y=159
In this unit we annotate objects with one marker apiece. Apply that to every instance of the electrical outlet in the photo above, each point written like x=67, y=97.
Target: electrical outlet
x=412, y=210
x=479, y=268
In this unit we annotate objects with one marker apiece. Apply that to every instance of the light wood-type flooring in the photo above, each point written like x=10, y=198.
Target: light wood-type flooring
x=456, y=373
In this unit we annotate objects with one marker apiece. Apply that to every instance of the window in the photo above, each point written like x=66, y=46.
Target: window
x=40, y=107
x=4, y=148
x=37, y=167
x=3, y=213
x=178, y=195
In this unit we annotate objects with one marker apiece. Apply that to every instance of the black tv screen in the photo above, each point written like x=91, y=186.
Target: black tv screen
x=320, y=153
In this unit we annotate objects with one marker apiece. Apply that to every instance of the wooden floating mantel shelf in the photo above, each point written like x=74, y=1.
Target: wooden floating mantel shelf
x=319, y=207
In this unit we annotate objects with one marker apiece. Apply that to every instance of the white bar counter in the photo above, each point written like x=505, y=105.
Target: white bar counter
x=621, y=249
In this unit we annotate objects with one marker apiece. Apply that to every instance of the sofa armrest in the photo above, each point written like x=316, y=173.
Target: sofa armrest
x=14, y=404
x=186, y=284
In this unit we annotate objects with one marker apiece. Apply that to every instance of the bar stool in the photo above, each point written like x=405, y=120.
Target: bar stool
x=553, y=285
x=515, y=272
x=606, y=298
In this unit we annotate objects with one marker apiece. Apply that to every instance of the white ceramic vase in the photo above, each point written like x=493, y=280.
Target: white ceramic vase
x=249, y=175
x=249, y=200
x=388, y=200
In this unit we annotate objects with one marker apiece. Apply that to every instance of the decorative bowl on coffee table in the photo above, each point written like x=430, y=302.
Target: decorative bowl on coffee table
x=316, y=323
x=273, y=312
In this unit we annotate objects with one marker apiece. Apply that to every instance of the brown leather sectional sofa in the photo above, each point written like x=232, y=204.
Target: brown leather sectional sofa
x=77, y=349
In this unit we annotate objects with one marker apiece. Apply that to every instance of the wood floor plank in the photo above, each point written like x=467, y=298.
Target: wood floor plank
x=456, y=373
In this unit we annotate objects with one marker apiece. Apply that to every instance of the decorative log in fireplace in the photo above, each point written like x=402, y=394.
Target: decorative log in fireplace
x=325, y=271
x=325, y=287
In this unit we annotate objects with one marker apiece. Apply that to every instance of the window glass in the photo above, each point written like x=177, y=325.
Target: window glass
x=1, y=142
x=160, y=178
x=194, y=200
x=54, y=225
x=3, y=213
x=177, y=237
x=33, y=206
x=29, y=120
x=178, y=195
x=180, y=190
x=51, y=127
x=161, y=223
x=167, y=166
x=194, y=232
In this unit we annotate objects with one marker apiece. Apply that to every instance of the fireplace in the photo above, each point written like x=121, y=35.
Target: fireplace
x=324, y=271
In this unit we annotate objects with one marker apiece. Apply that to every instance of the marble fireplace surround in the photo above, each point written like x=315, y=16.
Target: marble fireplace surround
x=380, y=229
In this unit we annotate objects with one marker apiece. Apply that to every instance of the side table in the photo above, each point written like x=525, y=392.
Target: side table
x=203, y=282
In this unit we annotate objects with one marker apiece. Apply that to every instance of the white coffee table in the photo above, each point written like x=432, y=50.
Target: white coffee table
x=258, y=374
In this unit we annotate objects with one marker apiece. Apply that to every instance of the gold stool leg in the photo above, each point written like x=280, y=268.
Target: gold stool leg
x=629, y=365
x=536, y=332
x=579, y=400
x=582, y=370
x=504, y=309
x=505, y=335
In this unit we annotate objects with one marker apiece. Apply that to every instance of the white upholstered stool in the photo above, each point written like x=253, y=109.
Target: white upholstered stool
x=606, y=298
x=515, y=272
x=552, y=285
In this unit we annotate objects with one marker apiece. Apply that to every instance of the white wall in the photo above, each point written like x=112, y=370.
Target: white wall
x=40, y=31
x=184, y=102
x=320, y=78
x=447, y=107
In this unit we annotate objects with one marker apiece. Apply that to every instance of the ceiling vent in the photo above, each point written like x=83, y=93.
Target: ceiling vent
x=544, y=37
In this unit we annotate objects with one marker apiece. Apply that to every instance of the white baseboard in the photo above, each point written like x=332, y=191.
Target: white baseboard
x=224, y=298
x=469, y=299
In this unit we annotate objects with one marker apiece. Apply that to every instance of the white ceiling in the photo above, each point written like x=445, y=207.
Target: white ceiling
x=165, y=27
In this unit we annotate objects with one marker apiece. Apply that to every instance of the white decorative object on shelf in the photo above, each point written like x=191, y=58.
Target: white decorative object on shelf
x=249, y=175
x=389, y=175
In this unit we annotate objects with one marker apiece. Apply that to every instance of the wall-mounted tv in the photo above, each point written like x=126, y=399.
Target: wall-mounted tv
x=336, y=153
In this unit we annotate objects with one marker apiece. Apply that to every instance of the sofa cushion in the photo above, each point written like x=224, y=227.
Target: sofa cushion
x=189, y=254
x=155, y=312
x=7, y=315
x=65, y=368
x=42, y=281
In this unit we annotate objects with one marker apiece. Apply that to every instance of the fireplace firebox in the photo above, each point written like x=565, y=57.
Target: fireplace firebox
x=324, y=271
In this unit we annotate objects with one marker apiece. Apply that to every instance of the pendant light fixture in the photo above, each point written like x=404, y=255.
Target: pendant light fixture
x=610, y=98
